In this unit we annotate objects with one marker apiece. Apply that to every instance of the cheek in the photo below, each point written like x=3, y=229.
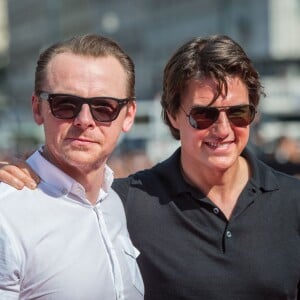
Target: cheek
x=192, y=137
x=242, y=133
x=53, y=130
x=110, y=134
x=242, y=137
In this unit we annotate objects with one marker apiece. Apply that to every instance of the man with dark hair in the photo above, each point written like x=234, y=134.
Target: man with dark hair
x=212, y=221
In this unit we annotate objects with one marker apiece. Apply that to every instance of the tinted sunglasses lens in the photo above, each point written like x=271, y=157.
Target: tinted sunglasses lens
x=64, y=106
x=241, y=115
x=68, y=107
x=203, y=117
x=105, y=109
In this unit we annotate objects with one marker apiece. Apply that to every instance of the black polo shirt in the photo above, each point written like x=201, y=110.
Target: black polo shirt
x=189, y=250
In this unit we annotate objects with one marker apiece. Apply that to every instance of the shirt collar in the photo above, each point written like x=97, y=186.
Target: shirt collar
x=108, y=178
x=170, y=173
x=60, y=183
x=262, y=177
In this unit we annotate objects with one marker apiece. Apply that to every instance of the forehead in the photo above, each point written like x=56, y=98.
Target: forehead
x=206, y=91
x=86, y=76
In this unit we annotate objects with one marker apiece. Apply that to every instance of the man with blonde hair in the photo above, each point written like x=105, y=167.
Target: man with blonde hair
x=68, y=239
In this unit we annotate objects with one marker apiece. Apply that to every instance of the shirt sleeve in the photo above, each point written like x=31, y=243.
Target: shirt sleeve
x=9, y=270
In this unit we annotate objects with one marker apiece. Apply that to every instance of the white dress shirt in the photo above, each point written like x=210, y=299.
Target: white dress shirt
x=55, y=245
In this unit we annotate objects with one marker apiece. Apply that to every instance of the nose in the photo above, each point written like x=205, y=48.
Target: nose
x=84, y=119
x=222, y=126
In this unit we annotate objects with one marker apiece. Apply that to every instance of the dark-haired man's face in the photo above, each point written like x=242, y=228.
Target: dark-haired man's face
x=218, y=147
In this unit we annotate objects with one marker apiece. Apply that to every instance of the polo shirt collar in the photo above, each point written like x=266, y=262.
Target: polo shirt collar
x=262, y=178
x=174, y=178
x=59, y=183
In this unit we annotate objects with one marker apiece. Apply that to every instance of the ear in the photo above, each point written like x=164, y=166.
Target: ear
x=36, y=109
x=129, y=118
x=173, y=120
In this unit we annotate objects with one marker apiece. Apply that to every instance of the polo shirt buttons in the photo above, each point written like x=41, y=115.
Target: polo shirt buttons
x=228, y=234
x=216, y=210
x=252, y=191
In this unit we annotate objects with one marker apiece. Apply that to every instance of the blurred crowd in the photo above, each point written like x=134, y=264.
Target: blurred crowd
x=124, y=164
x=284, y=155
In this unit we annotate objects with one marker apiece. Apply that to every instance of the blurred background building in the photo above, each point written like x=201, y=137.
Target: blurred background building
x=150, y=31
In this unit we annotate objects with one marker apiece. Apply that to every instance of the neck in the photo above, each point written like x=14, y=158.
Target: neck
x=222, y=188
x=91, y=178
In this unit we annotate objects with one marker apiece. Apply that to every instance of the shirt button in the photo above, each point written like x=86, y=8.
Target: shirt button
x=228, y=234
x=252, y=191
x=216, y=210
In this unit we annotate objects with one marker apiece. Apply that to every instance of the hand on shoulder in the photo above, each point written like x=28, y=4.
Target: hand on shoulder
x=17, y=173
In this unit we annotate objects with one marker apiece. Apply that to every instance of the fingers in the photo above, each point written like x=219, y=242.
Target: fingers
x=31, y=176
x=18, y=174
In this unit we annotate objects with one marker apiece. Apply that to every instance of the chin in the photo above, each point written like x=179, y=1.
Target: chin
x=223, y=165
x=81, y=160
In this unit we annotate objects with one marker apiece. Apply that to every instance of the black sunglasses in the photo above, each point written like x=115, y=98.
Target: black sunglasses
x=202, y=117
x=103, y=109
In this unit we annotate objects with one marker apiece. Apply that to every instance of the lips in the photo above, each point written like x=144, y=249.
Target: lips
x=216, y=145
x=81, y=140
